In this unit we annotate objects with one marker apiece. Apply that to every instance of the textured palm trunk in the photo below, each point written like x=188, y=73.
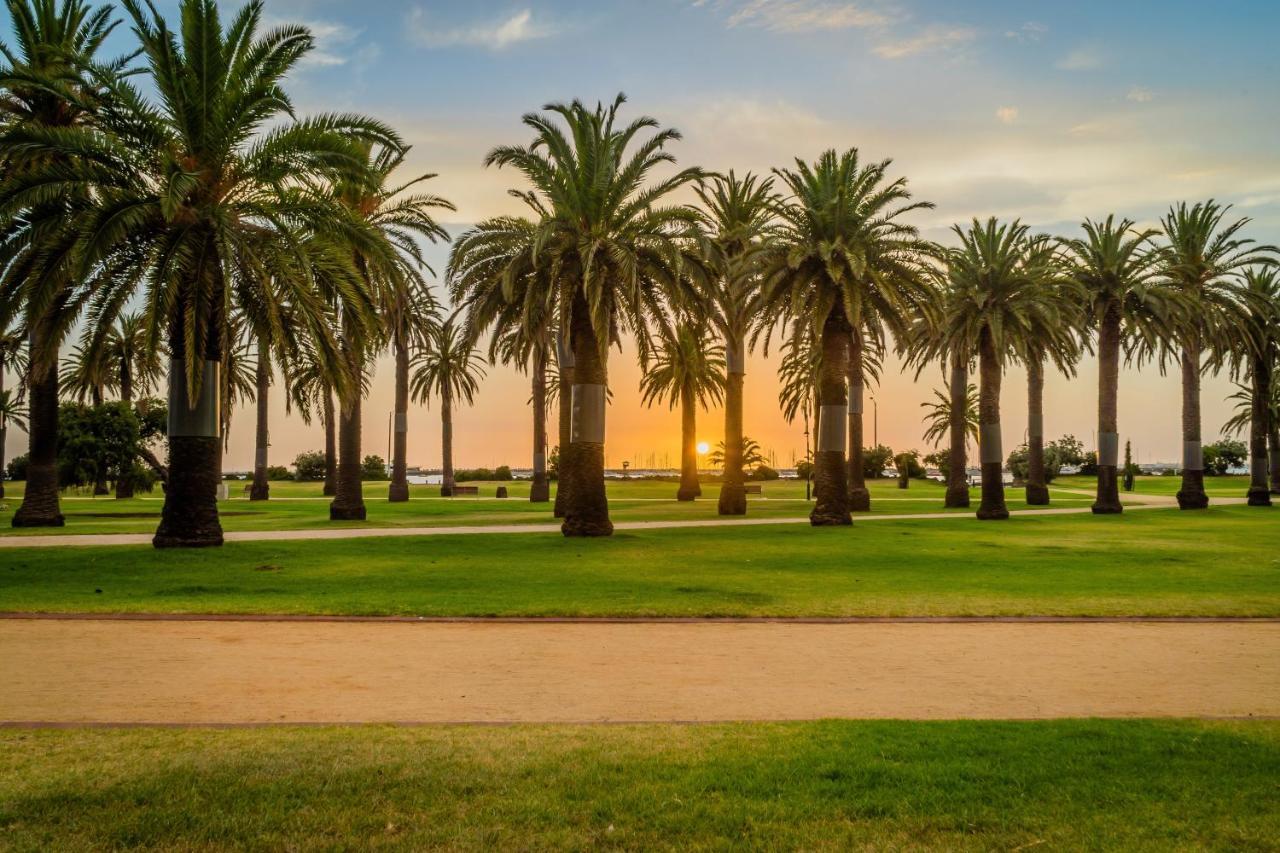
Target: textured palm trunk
x=1107, y=501
x=1192, y=494
x=330, y=446
x=689, y=488
x=261, y=488
x=1037, y=487
x=1273, y=447
x=348, y=502
x=859, y=497
x=831, y=480
x=398, y=491
x=447, y=481
x=1259, y=489
x=540, y=488
x=958, y=461
x=586, y=508
x=564, y=406
x=991, y=448
x=190, y=515
x=124, y=484
x=733, y=487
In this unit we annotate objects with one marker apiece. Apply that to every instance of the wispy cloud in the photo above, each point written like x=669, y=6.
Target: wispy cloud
x=1030, y=31
x=932, y=38
x=1081, y=59
x=798, y=16
x=1140, y=95
x=494, y=35
x=335, y=43
x=1007, y=115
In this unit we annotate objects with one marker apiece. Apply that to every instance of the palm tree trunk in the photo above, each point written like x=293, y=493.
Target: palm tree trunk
x=1037, y=487
x=689, y=488
x=564, y=406
x=1273, y=447
x=1192, y=494
x=4, y=431
x=348, y=503
x=398, y=491
x=831, y=481
x=40, y=506
x=586, y=508
x=100, y=478
x=446, y=444
x=190, y=515
x=261, y=488
x=124, y=483
x=859, y=497
x=1259, y=490
x=330, y=446
x=540, y=488
x=957, y=458
x=733, y=488
x=991, y=448
x=1108, y=498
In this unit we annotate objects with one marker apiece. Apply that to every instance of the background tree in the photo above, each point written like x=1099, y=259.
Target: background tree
x=620, y=250
x=1256, y=356
x=688, y=370
x=735, y=214
x=1000, y=299
x=844, y=262
x=1203, y=260
x=752, y=455
x=12, y=357
x=938, y=415
x=450, y=367
x=1116, y=265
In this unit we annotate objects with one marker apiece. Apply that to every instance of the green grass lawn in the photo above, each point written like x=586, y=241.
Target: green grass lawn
x=299, y=506
x=1063, y=785
x=1224, y=487
x=1223, y=561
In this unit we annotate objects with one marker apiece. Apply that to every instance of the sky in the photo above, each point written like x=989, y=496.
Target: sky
x=1051, y=112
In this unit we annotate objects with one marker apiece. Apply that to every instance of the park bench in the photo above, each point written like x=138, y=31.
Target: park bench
x=466, y=490
x=753, y=489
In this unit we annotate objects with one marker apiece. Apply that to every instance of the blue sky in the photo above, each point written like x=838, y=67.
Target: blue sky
x=1045, y=110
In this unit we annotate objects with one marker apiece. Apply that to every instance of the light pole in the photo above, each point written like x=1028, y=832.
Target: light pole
x=808, y=472
x=875, y=421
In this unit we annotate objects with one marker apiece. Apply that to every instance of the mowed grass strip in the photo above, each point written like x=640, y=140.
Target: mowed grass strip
x=1082, y=784
x=1161, y=562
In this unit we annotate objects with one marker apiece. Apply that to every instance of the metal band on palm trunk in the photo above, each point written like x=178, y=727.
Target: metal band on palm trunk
x=855, y=398
x=402, y=422
x=564, y=352
x=990, y=448
x=202, y=420
x=539, y=462
x=587, y=424
x=1192, y=456
x=735, y=357
x=260, y=458
x=831, y=428
x=1035, y=426
x=1109, y=449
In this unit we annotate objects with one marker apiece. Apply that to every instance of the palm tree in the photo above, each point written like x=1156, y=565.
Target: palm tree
x=1116, y=265
x=798, y=376
x=450, y=367
x=414, y=314
x=1001, y=297
x=1203, y=260
x=503, y=285
x=620, y=251
x=310, y=391
x=687, y=371
x=84, y=378
x=845, y=263
x=210, y=181
x=1058, y=344
x=941, y=410
x=1257, y=355
x=736, y=215
x=752, y=456
x=47, y=89
x=12, y=357
x=1243, y=419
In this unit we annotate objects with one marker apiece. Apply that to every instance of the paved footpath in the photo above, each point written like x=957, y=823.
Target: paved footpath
x=64, y=540
x=230, y=672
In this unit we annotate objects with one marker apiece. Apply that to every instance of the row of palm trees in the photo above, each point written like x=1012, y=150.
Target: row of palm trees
x=231, y=220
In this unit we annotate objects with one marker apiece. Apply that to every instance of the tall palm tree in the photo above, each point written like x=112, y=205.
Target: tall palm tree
x=619, y=248
x=310, y=391
x=47, y=89
x=942, y=409
x=12, y=357
x=502, y=284
x=449, y=367
x=414, y=314
x=687, y=371
x=845, y=262
x=260, y=488
x=1116, y=267
x=1002, y=296
x=1056, y=344
x=1202, y=262
x=1257, y=356
x=736, y=213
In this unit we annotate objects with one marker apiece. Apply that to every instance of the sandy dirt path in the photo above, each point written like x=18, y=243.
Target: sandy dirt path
x=228, y=672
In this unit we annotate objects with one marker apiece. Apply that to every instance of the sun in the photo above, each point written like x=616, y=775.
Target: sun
x=703, y=447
